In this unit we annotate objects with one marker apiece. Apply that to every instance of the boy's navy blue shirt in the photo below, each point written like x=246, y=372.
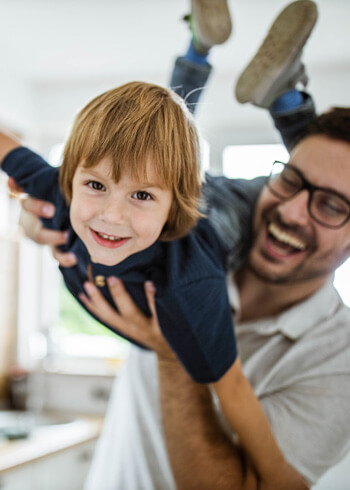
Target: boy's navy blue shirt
x=192, y=303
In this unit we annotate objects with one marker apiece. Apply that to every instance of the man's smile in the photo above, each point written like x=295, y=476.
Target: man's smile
x=282, y=243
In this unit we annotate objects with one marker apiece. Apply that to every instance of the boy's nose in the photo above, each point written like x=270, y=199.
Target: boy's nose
x=295, y=210
x=113, y=211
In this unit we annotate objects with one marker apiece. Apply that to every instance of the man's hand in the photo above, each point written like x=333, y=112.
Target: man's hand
x=129, y=319
x=32, y=210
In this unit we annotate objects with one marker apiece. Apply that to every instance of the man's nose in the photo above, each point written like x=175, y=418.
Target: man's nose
x=295, y=210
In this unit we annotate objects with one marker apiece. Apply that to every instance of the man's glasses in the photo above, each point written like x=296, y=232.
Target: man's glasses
x=325, y=206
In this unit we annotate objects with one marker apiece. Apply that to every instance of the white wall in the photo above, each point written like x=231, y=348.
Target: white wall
x=57, y=54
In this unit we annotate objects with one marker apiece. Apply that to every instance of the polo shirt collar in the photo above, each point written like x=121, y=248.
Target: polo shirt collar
x=295, y=321
x=302, y=317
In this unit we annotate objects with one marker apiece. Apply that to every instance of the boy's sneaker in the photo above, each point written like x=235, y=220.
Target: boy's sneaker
x=277, y=66
x=210, y=23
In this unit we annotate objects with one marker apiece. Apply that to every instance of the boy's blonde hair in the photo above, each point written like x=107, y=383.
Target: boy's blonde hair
x=130, y=124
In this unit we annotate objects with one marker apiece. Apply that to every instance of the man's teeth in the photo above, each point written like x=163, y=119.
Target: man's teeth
x=109, y=237
x=285, y=237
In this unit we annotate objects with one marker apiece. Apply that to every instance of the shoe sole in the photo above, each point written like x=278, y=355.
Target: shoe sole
x=281, y=47
x=212, y=21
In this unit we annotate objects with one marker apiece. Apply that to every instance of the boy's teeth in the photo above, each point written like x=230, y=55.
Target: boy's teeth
x=108, y=237
x=285, y=237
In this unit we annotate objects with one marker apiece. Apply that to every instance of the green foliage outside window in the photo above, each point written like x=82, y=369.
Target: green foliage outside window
x=75, y=320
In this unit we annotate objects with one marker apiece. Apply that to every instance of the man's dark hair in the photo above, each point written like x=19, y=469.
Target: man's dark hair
x=334, y=123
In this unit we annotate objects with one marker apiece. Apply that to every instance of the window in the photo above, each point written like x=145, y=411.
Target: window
x=249, y=161
x=69, y=330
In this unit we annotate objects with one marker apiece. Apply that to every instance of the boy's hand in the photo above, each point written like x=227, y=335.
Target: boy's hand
x=32, y=210
x=129, y=319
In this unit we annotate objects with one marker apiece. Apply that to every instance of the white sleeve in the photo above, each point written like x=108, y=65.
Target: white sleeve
x=311, y=422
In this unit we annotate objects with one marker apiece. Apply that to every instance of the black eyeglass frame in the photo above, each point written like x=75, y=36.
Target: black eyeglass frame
x=311, y=189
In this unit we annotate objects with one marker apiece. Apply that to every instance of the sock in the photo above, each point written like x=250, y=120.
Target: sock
x=193, y=55
x=287, y=101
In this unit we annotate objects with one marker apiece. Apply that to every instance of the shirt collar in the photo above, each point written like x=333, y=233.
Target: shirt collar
x=295, y=321
x=303, y=316
x=133, y=267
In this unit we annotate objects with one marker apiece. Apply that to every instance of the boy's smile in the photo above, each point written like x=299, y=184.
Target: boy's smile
x=108, y=241
x=117, y=219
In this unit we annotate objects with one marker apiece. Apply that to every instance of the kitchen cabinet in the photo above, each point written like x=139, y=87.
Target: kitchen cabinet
x=64, y=470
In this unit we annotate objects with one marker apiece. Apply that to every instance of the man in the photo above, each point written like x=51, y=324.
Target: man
x=291, y=326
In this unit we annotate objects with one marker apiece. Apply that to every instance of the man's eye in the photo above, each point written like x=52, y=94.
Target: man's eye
x=289, y=180
x=331, y=205
x=96, y=186
x=142, y=196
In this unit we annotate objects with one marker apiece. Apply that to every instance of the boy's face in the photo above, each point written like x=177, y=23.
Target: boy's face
x=115, y=220
x=289, y=245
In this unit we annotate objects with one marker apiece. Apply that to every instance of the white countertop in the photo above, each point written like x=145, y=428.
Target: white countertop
x=46, y=440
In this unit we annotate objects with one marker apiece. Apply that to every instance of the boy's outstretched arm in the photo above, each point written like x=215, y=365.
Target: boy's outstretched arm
x=36, y=209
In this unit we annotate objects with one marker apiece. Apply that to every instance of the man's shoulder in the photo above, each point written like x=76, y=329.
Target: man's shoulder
x=215, y=186
x=229, y=205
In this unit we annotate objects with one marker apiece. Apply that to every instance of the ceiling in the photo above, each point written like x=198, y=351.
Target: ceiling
x=57, y=54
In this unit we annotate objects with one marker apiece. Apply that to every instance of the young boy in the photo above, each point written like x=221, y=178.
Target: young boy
x=128, y=192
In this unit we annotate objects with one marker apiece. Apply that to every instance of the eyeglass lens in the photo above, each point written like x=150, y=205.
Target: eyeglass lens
x=325, y=206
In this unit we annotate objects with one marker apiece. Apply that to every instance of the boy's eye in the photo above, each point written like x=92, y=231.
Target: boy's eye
x=142, y=196
x=97, y=186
